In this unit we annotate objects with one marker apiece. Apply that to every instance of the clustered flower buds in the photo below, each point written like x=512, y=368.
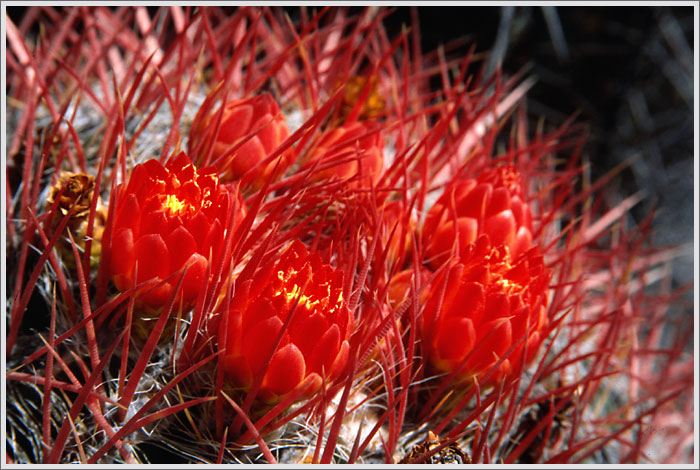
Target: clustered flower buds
x=168, y=218
x=293, y=313
x=242, y=133
x=488, y=307
x=287, y=326
x=482, y=286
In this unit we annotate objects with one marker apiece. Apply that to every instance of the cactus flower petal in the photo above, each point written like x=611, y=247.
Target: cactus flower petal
x=287, y=369
x=455, y=338
x=324, y=353
x=152, y=254
x=492, y=205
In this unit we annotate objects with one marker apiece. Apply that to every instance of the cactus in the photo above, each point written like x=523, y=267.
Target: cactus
x=402, y=272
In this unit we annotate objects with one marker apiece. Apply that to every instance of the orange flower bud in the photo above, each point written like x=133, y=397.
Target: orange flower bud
x=314, y=344
x=347, y=151
x=478, y=308
x=492, y=205
x=166, y=218
x=260, y=116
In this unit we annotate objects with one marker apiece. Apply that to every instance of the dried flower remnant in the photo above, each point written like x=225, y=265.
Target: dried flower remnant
x=75, y=191
x=313, y=347
x=242, y=132
x=167, y=218
x=351, y=152
x=492, y=204
x=480, y=307
x=427, y=454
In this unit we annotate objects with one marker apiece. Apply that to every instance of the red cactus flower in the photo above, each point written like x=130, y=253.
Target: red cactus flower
x=480, y=307
x=351, y=150
x=255, y=123
x=492, y=204
x=314, y=343
x=166, y=218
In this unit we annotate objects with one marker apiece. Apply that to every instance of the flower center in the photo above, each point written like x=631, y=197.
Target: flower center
x=294, y=294
x=319, y=295
x=174, y=206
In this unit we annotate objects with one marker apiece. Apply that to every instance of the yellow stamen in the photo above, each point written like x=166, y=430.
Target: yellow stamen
x=294, y=294
x=173, y=205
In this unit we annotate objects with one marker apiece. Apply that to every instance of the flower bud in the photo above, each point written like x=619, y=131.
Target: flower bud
x=314, y=342
x=353, y=150
x=492, y=205
x=478, y=308
x=258, y=115
x=167, y=218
